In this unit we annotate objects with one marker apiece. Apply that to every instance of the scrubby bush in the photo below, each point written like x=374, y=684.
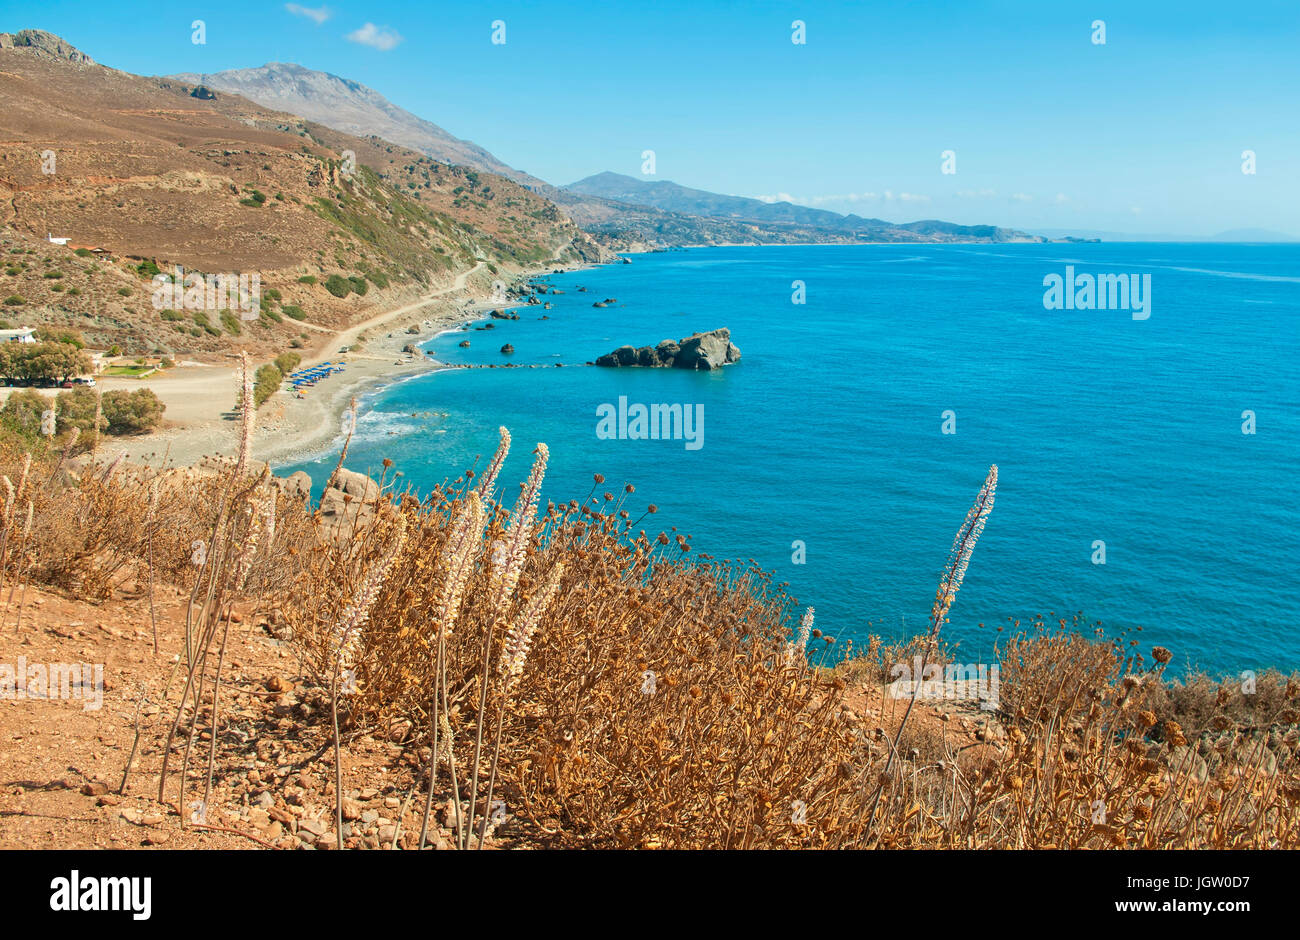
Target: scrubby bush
x=266, y=383
x=134, y=412
x=338, y=285
x=287, y=362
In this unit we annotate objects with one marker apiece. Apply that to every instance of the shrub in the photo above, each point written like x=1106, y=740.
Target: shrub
x=147, y=268
x=124, y=291
x=69, y=337
x=294, y=311
x=21, y=414
x=171, y=316
x=132, y=412
x=338, y=285
x=77, y=409
x=266, y=383
x=231, y=323
x=378, y=278
x=307, y=279
x=287, y=362
x=83, y=252
x=13, y=300
x=271, y=294
x=53, y=275
x=359, y=285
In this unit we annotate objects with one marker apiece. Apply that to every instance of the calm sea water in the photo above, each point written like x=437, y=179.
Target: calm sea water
x=829, y=431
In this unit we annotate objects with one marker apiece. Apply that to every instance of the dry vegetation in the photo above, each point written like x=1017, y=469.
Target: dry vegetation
x=602, y=685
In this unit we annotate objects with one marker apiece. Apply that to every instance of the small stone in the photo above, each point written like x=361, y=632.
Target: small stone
x=265, y=799
x=351, y=809
x=157, y=837
x=369, y=816
x=108, y=799
x=392, y=802
x=94, y=788
x=152, y=819
x=274, y=831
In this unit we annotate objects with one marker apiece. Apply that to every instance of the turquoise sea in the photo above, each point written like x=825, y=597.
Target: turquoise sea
x=829, y=431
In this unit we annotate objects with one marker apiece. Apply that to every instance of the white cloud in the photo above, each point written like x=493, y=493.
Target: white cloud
x=976, y=193
x=317, y=15
x=1136, y=210
x=1021, y=197
x=1062, y=198
x=912, y=197
x=377, y=37
x=819, y=200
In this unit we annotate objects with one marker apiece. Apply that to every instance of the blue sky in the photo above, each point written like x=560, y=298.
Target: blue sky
x=1142, y=134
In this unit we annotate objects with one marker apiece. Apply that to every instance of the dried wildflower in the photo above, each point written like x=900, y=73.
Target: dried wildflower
x=963, y=546
x=505, y=575
x=488, y=480
x=520, y=638
x=1146, y=719
x=247, y=415
x=458, y=560
x=348, y=629
x=1161, y=655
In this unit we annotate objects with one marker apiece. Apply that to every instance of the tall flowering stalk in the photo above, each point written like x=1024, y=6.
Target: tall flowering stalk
x=514, y=654
x=508, y=558
x=346, y=634
x=507, y=564
x=519, y=640
x=458, y=561
x=963, y=546
x=489, y=478
x=800, y=645
x=247, y=414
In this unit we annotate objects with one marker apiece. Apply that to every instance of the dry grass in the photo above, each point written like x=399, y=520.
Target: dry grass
x=603, y=685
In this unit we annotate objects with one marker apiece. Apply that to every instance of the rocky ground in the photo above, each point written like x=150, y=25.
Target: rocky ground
x=62, y=767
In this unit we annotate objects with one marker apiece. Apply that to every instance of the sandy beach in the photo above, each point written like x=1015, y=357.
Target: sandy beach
x=200, y=419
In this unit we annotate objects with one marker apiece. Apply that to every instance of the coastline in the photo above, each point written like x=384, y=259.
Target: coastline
x=200, y=398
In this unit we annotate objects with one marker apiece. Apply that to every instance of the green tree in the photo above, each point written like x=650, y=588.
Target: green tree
x=77, y=409
x=22, y=412
x=132, y=412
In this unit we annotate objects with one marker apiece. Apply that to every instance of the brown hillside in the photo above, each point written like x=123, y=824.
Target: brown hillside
x=224, y=186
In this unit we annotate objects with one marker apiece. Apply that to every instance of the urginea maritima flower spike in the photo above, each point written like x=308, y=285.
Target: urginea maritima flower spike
x=962, y=548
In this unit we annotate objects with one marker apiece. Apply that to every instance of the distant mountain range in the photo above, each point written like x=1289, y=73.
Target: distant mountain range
x=626, y=213
x=671, y=197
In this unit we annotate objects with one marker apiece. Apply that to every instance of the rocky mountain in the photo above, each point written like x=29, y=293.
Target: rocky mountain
x=132, y=176
x=779, y=217
x=43, y=44
x=350, y=107
x=624, y=213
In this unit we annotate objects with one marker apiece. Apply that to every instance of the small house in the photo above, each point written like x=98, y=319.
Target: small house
x=23, y=334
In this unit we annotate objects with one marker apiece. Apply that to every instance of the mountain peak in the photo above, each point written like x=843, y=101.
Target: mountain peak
x=46, y=45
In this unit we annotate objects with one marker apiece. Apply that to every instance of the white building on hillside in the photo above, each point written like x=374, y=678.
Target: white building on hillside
x=22, y=335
